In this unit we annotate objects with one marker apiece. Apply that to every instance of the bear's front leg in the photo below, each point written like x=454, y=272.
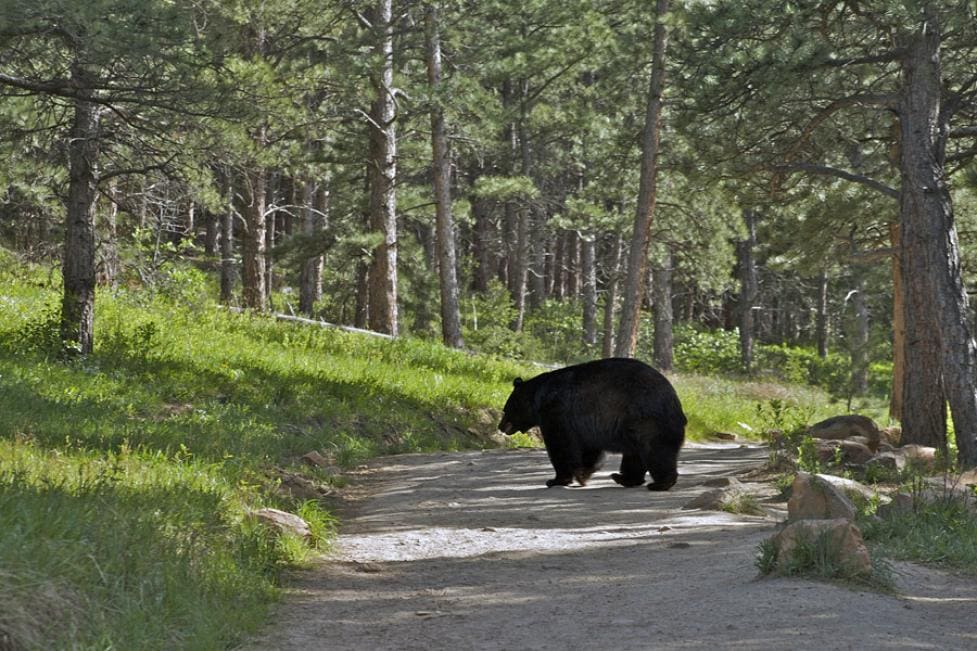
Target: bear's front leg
x=563, y=455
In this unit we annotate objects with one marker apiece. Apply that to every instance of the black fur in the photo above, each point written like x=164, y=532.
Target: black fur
x=608, y=405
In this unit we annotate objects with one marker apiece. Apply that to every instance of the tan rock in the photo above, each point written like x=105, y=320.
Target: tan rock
x=283, y=522
x=711, y=500
x=814, y=498
x=843, y=540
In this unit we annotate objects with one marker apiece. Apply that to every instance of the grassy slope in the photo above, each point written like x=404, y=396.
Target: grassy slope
x=125, y=478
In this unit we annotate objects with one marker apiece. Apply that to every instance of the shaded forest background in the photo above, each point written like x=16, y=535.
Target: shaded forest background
x=765, y=187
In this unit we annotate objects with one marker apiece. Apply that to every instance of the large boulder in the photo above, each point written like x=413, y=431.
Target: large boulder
x=841, y=539
x=814, y=497
x=846, y=427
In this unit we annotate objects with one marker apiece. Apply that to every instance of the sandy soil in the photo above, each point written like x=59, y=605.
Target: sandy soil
x=471, y=551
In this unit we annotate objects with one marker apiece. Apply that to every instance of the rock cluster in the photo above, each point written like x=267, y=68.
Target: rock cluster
x=821, y=508
x=859, y=444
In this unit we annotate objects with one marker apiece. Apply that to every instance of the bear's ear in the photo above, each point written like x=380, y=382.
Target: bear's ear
x=517, y=382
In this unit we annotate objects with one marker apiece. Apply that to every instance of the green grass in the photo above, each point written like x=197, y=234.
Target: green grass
x=941, y=530
x=126, y=478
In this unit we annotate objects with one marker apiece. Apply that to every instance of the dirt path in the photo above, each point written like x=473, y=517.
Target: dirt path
x=470, y=551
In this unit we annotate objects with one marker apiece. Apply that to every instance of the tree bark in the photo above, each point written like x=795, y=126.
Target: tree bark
x=253, y=273
x=227, y=244
x=662, y=296
x=821, y=326
x=315, y=198
x=610, y=294
x=441, y=168
x=78, y=265
x=748, y=289
x=898, y=329
x=383, y=175
x=588, y=263
x=931, y=256
x=634, y=289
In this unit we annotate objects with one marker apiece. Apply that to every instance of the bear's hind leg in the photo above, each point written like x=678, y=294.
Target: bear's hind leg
x=590, y=462
x=663, y=465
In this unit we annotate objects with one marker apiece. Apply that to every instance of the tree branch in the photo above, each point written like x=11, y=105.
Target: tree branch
x=826, y=170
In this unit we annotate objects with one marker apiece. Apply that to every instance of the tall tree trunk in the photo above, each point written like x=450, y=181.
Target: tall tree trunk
x=78, y=265
x=588, y=263
x=822, y=318
x=227, y=244
x=253, y=259
x=634, y=289
x=860, y=340
x=610, y=294
x=898, y=329
x=522, y=267
x=748, y=289
x=482, y=245
x=441, y=164
x=662, y=296
x=383, y=176
x=315, y=198
x=931, y=256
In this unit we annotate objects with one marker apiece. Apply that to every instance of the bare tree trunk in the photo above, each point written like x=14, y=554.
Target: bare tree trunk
x=634, y=288
x=898, y=329
x=315, y=198
x=522, y=268
x=484, y=259
x=588, y=262
x=254, y=292
x=610, y=294
x=822, y=318
x=110, y=265
x=748, y=289
x=860, y=340
x=662, y=292
x=447, y=259
x=929, y=248
x=78, y=265
x=383, y=176
x=227, y=244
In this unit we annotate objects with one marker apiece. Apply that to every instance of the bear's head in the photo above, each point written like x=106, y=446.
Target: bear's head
x=519, y=414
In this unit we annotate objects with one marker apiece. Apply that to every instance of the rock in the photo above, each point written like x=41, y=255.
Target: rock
x=813, y=497
x=851, y=488
x=283, y=522
x=919, y=456
x=313, y=458
x=301, y=488
x=844, y=542
x=845, y=427
x=711, y=500
x=900, y=503
x=923, y=458
x=723, y=482
x=854, y=452
x=724, y=436
x=891, y=435
x=826, y=450
x=887, y=461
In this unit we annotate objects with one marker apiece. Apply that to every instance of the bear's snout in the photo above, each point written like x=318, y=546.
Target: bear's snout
x=506, y=427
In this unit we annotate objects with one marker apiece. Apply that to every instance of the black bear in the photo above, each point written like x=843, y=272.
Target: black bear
x=608, y=405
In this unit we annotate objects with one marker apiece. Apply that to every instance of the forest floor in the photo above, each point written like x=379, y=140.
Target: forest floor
x=470, y=550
